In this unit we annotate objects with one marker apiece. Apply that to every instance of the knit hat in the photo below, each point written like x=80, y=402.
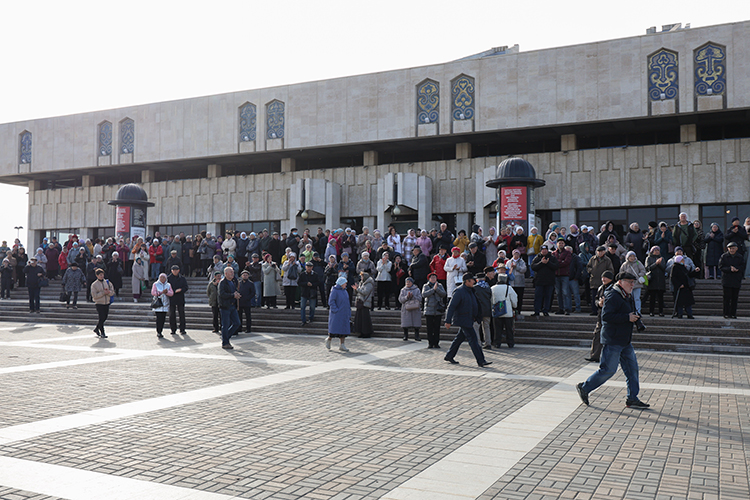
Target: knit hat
x=608, y=274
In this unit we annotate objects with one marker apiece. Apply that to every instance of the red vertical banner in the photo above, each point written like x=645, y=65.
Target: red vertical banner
x=122, y=222
x=513, y=204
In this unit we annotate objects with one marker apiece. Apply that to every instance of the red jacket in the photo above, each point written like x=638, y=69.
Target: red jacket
x=153, y=251
x=437, y=266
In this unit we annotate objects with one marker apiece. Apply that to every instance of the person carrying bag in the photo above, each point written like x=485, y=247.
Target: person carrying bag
x=504, y=300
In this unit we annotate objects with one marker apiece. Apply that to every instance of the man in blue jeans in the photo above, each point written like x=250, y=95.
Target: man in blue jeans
x=562, y=277
x=228, y=296
x=618, y=316
x=308, y=287
x=464, y=310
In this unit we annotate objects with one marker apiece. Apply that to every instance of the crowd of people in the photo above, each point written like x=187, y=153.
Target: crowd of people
x=418, y=272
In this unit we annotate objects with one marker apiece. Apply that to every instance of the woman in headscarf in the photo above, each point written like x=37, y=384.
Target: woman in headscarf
x=340, y=314
x=411, y=305
x=138, y=279
x=714, y=241
x=455, y=267
x=163, y=290
x=363, y=292
x=633, y=266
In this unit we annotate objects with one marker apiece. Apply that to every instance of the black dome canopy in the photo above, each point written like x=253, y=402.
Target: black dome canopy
x=131, y=194
x=515, y=171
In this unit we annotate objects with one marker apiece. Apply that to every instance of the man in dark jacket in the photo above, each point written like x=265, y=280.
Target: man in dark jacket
x=736, y=233
x=177, y=301
x=247, y=294
x=242, y=242
x=476, y=260
x=544, y=265
x=463, y=312
x=34, y=275
x=562, y=277
x=308, y=283
x=732, y=265
x=607, y=278
x=228, y=296
x=444, y=238
x=419, y=267
x=274, y=248
x=483, y=292
x=174, y=260
x=618, y=316
x=575, y=276
x=255, y=269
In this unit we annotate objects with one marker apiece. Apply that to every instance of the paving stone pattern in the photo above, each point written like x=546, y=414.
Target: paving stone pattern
x=358, y=427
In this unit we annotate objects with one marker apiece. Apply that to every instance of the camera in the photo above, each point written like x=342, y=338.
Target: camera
x=639, y=324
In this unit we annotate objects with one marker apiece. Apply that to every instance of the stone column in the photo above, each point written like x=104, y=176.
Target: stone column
x=288, y=165
x=148, y=176
x=463, y=150
x=463, y=221
x=213, y=171
x=568, y=142
x=87, y=181
x=688, y=133
x=370, y=158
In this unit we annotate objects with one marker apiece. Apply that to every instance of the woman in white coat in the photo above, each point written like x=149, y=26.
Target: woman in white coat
x=162, y=290
x=455, y=267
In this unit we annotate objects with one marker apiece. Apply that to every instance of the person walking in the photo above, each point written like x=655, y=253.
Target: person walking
x=618, y=316
x=363, y=292
x=101, y=292
x=177, y=302
x=483, y=292
x=162, y=290
x=34, y=275
x=244, y=304
x=463, y=311
x=228, y=296
x=732, y=266
x=340, y=314
x=308, y=287
x=411, y=302
x=73, y=282
x=504, y=302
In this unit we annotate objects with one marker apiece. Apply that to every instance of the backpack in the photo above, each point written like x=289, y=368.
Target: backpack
x=292, y=273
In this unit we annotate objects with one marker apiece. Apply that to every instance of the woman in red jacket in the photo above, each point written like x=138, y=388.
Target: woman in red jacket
x=155, y=258
x=437, y=266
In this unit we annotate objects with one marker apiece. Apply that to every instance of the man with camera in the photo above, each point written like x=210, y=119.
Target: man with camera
x=618, y=316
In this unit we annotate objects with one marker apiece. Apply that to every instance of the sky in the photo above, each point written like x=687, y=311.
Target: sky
x=61, y=58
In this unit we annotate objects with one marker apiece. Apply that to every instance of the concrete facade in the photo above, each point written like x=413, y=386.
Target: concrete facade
x=598, y=82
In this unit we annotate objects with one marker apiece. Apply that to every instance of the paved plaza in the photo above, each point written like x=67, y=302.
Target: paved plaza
x=280, y=417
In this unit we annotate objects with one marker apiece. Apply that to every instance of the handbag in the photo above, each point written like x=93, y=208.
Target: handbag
x=411, y=305
x=63, y=297
x=44, y=282
x=111, y=297
x=500, y=308
x=156, y=302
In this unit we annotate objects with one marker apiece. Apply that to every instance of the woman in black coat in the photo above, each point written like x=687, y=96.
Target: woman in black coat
x=398, y=278
x=680, y=279
x=714, y=241
x=657, y=281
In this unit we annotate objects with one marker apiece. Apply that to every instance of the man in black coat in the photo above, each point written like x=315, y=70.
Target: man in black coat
x=544, y=266
x=34, y=275
x=463, y=312
x=618, y=316
x=177, y=301
x=732, y=265
x=245, y=303
x=419, y=267
x=736, y=233
x=444, y=238
x=476, y=260
x=308, y=283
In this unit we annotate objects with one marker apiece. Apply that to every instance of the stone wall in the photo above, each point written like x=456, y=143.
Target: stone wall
x=674, y=174
x=583, y=83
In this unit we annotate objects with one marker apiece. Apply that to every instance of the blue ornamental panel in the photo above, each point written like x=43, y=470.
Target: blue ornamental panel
x=428, y=101
x=105, y=139
x=275, y=120
x=663, y=75
x=248, y=119
x=710, y=70
x=24, y=154
x=462, y=98
x=127, y=136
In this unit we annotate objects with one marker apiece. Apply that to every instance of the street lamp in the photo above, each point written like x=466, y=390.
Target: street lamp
x=18, y=231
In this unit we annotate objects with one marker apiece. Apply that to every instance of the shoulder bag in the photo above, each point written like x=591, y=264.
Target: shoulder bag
x=500, y=308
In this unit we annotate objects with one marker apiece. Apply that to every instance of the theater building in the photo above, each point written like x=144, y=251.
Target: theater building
x=634, y=129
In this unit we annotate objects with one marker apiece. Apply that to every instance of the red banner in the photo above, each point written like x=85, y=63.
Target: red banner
x=513, y=203
x=122, y=222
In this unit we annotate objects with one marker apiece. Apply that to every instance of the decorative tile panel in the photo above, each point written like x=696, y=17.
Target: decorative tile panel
x=275, y=120
x=24, y=150
x=710, y=63
x=248, y=121
x=127, y=136
x=462, y=98
x=663, y=77
x=428, y=101
x=105, y=139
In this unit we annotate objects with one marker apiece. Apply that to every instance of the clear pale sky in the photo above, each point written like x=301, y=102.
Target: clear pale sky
x=62, y=58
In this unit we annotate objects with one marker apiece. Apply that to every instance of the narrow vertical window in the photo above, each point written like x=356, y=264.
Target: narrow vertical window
x=275, y=120
x=248, y=121
x=105, y=139
x=127, y=136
